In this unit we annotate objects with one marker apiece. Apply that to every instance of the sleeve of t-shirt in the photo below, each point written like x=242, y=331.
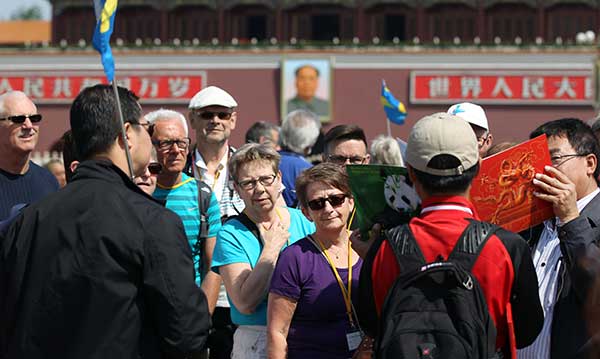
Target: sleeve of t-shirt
x=286, y=277
x=228, y=249
x=214, y=216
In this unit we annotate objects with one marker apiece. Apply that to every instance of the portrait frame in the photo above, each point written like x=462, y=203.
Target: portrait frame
x=322, y=103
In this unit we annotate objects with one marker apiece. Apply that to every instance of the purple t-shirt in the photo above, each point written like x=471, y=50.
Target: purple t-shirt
x=320, y=323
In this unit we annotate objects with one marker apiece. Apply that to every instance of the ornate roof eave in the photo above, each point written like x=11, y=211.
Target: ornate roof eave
x=430, y=3
x=228, y=4
x=287, y=4
x=371, y=3
x=489, y=3
x=549, y=3
x=212, y=4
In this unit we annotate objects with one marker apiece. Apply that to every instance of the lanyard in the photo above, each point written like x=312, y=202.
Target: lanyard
x=346, y=293
x=216, y=176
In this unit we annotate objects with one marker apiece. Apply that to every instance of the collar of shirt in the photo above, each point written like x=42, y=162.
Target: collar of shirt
x=200, y=164
x=457, y=204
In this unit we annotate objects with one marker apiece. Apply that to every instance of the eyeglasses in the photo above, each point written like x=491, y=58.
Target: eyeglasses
x=208, y=115
x=334, y=200
x=19, y=119
x=166, y=145
x=556, y=160
x=251, y=183
x=154, y=168
x=357, y=160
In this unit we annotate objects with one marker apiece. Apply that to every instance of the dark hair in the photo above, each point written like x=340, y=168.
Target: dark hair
x=578, y=133
x=328, y=173
x=344, y=132
x=94, y=122
x=69, y=153
x=306, y=66
x=434, y=184
x=258, y=129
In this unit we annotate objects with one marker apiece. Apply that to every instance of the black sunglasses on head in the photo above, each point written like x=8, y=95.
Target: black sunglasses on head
x=154, y=168
x=335, y=200
x=19, y=119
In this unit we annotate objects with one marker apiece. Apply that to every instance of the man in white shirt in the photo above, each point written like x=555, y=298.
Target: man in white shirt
x=212, y=113
x=565, y=249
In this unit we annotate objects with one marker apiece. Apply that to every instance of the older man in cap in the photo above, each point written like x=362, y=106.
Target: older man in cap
x=213, y=116
x=442, y=159
x=476, y=117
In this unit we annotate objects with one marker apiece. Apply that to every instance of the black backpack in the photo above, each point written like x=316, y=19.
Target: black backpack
x=204, y=195
x=437, y=310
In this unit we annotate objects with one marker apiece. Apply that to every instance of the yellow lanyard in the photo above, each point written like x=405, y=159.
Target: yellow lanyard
x=217, y=173
x=346, y=293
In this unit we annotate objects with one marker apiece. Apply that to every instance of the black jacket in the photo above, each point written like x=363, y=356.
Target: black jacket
x=576, y=317
x=99, y=270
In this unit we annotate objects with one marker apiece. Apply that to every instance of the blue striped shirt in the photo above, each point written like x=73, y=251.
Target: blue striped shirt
x=183, y=200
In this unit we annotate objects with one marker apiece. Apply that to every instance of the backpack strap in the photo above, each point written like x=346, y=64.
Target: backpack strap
x=405, y=247
x=471, y=243
x=204, y=195
x=252, y=227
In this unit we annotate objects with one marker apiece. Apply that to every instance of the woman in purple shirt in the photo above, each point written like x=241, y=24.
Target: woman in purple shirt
x=310, y=312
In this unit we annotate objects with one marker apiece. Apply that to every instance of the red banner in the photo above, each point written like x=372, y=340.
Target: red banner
x=502, y=87
x=44, y=87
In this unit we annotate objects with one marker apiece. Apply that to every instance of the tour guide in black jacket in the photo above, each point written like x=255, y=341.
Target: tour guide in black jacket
x=100, y=269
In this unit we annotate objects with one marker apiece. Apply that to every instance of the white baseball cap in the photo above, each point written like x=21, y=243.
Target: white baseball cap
x=471, y=113
x=442, y=134
x=212, y=96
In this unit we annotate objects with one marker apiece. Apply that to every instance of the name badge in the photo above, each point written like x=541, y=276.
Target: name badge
x=353, y=338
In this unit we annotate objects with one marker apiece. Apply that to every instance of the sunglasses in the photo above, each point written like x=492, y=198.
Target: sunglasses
x=154, y=168
x=335, y=200
x=19, y=119
x=207, y=115
x=357, y=160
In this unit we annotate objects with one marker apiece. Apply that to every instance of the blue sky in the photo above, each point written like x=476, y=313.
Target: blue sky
x=10, y=6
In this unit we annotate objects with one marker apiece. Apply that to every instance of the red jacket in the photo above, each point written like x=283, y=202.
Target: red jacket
x=503, y=269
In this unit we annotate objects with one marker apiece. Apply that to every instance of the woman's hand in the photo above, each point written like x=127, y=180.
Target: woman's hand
x=275, y=237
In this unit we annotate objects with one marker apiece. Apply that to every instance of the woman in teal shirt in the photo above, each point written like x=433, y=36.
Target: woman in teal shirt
x=248, y=245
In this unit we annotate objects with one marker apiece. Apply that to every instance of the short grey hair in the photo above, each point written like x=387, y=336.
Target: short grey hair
x=386, y=150
x=11, y=94
x=251, y=152
x=300, y=130
x=165, y=114
x=261, y=128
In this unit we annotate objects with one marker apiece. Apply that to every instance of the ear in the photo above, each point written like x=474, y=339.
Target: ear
x=591, y=162
x=367, y=159
x=73, y=166
x=305, y=213
x=233, y=120
x=351, y=203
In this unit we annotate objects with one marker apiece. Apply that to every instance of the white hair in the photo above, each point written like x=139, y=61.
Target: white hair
x=165, y=114
x=16, y=95
x=386, y=150
x=300, y=130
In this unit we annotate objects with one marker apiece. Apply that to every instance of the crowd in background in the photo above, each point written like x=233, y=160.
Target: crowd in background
x=162, y=246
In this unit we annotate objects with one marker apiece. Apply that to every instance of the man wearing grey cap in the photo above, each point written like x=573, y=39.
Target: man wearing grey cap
x=476, y=117
x=442, y=159
x=212, y=113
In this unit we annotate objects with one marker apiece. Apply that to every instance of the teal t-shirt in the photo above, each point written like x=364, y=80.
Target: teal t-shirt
x=236, y=244
x=183, y=200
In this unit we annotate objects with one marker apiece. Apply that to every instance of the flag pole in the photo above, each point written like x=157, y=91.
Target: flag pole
x=123, y=134
x=389, y=127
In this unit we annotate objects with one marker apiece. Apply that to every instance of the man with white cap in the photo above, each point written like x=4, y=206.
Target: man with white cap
x=442, y=159
x=476, y=117
x=212, y=113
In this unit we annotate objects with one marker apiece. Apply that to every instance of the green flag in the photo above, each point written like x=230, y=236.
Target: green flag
x=382, y=194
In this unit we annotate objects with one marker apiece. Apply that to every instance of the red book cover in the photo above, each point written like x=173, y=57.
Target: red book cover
x=503, y=190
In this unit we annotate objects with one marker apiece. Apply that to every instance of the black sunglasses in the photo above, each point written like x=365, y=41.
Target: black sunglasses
x=154, y=168
x=21, y=118
x=207, y=115
x=335, y=200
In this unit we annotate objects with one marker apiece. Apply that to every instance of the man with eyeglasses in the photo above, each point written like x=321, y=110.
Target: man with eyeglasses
x=181, y=194
x=565, y=249
x=213, y=115
x=346, y=144
x=475, y=116
x=21, y=180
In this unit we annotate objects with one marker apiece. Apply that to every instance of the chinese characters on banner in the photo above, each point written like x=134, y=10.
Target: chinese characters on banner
x=508, y=87
x=45, y=87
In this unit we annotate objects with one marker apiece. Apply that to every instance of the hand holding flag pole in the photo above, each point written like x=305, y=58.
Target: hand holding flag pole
x=394, y=109
x=105, y=20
